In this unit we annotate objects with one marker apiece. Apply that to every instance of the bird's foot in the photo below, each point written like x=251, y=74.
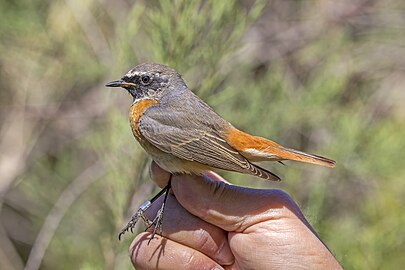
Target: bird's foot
x=157, y=222
x=134, y=219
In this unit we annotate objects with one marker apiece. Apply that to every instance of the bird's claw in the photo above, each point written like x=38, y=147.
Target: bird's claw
x=157, y=221
x=139, y=214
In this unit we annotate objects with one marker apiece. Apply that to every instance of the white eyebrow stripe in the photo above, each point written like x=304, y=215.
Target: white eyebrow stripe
x=132, y=73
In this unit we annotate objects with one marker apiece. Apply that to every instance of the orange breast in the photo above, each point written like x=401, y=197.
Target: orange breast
x=135, y=114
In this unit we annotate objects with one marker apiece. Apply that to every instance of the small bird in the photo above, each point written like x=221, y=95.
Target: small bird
x=185, y=135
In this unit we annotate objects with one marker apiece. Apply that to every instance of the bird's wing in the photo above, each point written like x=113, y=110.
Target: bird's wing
x=194, y=142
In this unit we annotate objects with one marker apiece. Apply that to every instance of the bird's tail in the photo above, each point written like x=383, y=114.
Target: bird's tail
x=292, y=154
x=261, y=149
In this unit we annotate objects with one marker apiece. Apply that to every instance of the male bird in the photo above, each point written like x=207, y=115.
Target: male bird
x=184, y=135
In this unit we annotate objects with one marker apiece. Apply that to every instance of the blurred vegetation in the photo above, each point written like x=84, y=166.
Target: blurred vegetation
x=325, y=77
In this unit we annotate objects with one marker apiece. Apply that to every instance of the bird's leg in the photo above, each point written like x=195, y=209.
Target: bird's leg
x=140, y=213
x=158, y=220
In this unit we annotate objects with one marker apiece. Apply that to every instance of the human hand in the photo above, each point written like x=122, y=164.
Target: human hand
x=209, y=224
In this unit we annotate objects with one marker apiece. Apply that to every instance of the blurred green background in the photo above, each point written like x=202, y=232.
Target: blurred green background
x=322, y=76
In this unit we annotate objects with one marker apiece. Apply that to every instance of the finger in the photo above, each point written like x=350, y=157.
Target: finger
x=288, y=241
x=163, y=253
x=161, y=177
x=158, y=175
x=214, y=176
x=183, y=228
x=232, y=208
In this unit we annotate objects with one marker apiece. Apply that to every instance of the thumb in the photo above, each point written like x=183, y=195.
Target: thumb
x=229, y=207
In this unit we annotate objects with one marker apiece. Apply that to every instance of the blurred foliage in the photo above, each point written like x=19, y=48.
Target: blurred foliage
x=322, y=76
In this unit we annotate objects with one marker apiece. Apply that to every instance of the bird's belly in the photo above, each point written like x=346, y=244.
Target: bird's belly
x=173, y=164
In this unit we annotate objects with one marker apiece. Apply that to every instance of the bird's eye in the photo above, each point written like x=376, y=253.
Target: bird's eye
x=145, y=79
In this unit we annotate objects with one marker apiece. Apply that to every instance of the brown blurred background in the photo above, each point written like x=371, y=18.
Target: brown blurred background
x=326, y=77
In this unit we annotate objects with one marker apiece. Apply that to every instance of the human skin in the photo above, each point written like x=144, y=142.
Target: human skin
x=210, y=224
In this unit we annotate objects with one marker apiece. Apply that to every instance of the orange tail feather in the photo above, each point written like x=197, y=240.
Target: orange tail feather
x=261, y=149
x=296, y=155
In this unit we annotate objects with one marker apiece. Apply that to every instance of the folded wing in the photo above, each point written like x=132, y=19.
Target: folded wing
x=194, y=142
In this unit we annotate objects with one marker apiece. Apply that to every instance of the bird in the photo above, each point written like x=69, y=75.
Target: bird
x=184, y=135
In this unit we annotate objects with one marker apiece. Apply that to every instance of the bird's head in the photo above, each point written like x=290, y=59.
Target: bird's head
x=149, y=81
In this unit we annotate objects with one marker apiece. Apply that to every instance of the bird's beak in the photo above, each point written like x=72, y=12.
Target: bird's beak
x=120, y=83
